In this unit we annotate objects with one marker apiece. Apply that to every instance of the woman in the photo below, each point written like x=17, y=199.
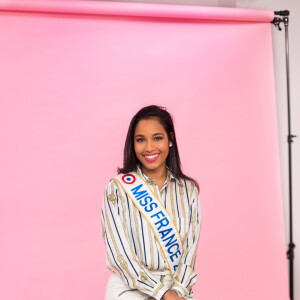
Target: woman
x=151, y=215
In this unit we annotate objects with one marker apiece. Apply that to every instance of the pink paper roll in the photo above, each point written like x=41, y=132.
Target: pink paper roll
x=140, y=10
x=70, y=84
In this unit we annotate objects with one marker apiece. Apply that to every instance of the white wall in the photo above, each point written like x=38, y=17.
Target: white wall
x=281, y=97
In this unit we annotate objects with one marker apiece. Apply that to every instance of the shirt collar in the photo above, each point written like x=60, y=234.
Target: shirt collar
x=170, y=176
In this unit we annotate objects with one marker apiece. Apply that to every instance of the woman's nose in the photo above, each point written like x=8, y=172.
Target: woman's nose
x=149, y=146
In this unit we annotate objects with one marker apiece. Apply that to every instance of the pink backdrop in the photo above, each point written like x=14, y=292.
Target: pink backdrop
x=72, y=76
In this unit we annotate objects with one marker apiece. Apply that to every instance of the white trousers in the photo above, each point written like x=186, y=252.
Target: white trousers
x=117, y=289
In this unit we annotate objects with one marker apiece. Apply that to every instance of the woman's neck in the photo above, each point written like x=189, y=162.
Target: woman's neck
x=159, y=175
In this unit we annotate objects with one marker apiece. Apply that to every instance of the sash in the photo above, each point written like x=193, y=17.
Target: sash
x=154, y=212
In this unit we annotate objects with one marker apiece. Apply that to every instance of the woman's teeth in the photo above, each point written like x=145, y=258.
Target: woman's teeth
x=151, y=156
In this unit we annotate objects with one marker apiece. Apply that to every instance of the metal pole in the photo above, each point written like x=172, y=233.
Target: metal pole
x=290, y=252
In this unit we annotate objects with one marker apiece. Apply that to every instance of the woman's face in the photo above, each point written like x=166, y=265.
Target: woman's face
x=151, y=144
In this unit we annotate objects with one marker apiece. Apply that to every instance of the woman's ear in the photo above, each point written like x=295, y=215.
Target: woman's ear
x=172, y=136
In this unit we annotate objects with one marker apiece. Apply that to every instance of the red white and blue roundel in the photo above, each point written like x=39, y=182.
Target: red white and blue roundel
x=128, y=178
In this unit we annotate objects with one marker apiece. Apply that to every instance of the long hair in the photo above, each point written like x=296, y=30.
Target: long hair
x=173, y=162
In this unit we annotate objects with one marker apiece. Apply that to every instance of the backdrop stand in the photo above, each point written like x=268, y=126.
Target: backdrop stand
x=284, y=17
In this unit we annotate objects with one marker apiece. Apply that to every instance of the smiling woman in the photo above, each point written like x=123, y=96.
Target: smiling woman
x=151, y=146
x=151, y=215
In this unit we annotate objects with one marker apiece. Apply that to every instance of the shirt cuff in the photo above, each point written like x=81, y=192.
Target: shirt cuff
x=179, y=289
x=160, y=291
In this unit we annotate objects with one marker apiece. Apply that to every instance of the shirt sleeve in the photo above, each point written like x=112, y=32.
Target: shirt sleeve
x=185, y=276
x=120, y=255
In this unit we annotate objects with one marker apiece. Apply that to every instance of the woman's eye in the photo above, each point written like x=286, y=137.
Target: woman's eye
x=156, y=139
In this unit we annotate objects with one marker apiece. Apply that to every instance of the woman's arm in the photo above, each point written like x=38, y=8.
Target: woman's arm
x=185, y=276
x=121, y=258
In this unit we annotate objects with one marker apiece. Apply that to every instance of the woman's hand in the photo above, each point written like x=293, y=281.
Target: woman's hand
x=171, y=295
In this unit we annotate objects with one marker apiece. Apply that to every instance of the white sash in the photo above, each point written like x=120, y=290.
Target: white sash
x=154, y=212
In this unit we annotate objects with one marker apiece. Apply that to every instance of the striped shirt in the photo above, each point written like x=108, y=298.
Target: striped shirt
x=131, y=246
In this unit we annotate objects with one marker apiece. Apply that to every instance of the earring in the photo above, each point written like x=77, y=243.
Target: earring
x=171, y=145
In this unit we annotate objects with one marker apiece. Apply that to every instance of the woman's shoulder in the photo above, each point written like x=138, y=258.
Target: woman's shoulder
x=189, y=185
x=114, y=181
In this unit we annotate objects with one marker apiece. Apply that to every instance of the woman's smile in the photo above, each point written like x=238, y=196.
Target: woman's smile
x=151, y=157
